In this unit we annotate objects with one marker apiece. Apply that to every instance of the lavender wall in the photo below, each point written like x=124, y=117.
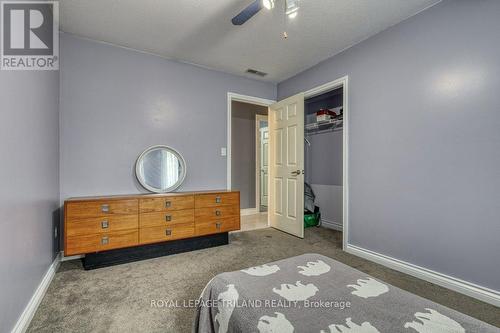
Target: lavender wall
x=29, y=195
x=424, y=141
x=116, y=102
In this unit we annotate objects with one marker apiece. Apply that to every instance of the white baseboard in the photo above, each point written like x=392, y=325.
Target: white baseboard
x=29, y=311
x=470, y=289
x=68, y=258
x=331, y=225
x=249, y=211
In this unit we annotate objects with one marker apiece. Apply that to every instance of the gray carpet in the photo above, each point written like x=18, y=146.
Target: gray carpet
x=118, y=298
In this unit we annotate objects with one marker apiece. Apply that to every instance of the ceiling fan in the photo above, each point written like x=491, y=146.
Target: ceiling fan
x=291, y=10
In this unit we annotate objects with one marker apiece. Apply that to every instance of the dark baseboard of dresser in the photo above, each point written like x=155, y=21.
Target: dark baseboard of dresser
x=122, y=256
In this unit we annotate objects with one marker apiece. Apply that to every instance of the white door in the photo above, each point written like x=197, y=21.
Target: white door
x=286, y=165
x=264, y=165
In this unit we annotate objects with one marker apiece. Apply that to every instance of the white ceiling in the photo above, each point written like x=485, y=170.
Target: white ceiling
x=200, y=31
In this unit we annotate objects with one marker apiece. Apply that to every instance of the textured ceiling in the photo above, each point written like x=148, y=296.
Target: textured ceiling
x=200, y=31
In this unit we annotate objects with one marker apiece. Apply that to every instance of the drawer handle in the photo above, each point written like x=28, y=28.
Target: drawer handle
x=104, y=240
x=218, y=213
x=168, y=232
x=105, y=224
x=105, y=208
x=218, y=199
x=218, y=225
x=168, y=218
x=168, y=204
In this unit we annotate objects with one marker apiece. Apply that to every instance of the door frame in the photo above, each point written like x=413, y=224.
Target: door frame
x=258, y=119
x=234, y=97
x=344, y=83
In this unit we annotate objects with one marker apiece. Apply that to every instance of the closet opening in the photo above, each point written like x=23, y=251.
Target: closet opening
x=308, y=161
x=324, y=160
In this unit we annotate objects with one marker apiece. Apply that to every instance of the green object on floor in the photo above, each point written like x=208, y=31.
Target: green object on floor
x=312, y=219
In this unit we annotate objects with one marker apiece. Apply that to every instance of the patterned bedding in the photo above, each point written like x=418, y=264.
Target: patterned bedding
x=313, y=293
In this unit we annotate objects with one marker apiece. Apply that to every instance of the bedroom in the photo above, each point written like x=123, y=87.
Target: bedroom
x=419, y=162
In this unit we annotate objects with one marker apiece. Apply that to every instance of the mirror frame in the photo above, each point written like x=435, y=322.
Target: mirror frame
x=179, y=182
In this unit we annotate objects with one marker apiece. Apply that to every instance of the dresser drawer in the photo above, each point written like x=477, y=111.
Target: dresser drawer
x=101, y=208
x=165, y=233
x=217, y=199
x=216, y=213
x=221, y=225
x=101, y=242
x=165, y=204
x=166, y=219
x=96, y=225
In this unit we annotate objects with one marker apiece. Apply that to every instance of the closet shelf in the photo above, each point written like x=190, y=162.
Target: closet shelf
x=324, y=126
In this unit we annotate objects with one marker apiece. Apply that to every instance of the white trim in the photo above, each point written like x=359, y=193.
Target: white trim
x=257, y=160
x=249, y=99
x=68, y=258
x=470, y=289
x=25, y=318
x=258, y=119
x=341, y=82
x=345, y=176
x=331, y=224
x=238, y=98
x=249, y=211
x=329, y=86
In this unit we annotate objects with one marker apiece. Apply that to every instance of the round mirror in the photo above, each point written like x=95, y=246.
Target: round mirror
x=160, y=169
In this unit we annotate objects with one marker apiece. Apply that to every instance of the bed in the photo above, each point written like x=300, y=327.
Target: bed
x=314, y=293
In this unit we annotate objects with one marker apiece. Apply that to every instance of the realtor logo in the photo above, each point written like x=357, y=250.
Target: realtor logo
x=29, y=35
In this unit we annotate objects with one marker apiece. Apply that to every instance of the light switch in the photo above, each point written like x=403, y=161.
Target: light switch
x=223, y=151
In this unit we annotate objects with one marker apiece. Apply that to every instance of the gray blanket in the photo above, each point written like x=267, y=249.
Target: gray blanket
x=313, y=293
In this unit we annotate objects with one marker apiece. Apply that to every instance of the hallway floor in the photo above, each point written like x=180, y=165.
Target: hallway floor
x=254, y=221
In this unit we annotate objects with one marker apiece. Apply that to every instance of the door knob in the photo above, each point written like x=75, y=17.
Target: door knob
x=296, y=173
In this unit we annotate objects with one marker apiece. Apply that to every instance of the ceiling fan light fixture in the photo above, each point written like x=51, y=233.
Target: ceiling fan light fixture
x=268, y=4
x=292, y=8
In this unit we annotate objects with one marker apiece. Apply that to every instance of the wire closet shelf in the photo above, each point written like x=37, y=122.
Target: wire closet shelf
x=331, y=125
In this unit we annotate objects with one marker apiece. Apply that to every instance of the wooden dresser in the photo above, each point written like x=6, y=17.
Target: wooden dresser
x=96, y=224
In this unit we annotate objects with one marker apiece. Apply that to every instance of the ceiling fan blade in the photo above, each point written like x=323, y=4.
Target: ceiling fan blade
x=247, y=13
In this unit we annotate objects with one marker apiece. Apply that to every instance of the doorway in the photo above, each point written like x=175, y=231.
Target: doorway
x=247, y=154
x=321, y=112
